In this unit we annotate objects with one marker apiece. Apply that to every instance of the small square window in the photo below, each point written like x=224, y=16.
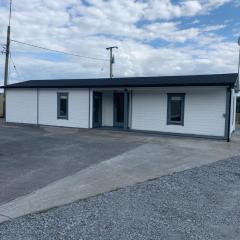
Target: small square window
x=62, y=104
x=175, y=108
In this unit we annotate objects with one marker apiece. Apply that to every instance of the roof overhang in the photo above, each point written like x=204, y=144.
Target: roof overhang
x=131, y=82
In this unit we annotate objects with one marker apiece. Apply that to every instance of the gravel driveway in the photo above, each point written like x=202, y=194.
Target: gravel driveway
x=201, y=203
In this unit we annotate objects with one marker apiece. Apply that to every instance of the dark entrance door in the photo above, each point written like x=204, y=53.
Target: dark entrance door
x=118, y=110
x=97, y=110
x=238, y=113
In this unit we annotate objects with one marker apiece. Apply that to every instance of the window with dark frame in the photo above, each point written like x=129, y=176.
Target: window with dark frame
x=62, y=104
x=175, y=108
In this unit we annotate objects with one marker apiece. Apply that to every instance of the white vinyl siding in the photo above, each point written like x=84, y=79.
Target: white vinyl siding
x=90, y=108
x=21, y=106
x=203, y=111
x=78, y=108
x=233, y=111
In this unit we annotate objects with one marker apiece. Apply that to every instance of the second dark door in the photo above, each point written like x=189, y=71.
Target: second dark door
x=97, y=110
x=118, y=110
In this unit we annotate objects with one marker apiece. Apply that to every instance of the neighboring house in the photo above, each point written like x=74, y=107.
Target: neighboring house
x=1, y=105
x=198, y=105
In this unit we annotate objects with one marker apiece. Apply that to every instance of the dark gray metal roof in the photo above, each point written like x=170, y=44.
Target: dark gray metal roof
x=161, y=81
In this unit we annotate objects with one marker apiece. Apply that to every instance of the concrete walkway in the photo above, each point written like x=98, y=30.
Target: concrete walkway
x=156, y=157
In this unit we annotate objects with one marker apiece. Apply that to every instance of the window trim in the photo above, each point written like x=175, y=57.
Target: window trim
x=169, y=96
x=59, y=95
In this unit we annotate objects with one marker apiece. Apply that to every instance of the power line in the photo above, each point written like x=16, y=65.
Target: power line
x=3, y=48
x=14, y=66
x=62, y=52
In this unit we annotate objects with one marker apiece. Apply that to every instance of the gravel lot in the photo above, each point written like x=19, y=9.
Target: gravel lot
x=201, y=203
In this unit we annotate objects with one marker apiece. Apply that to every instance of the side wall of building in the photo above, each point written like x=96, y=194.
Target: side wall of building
x=21, y=106
x=34, y=106
x=204, y=111
x=233, y=111
x=78, y=108
x=1, y=104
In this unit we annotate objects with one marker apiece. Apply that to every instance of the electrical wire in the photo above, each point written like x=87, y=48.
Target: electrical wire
x=62, y=52
x=2, y=51
x=14, y=66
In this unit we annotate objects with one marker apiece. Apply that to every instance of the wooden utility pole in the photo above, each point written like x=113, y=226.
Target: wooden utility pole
x=7, y=58
x=111, y=60
x=239, y=65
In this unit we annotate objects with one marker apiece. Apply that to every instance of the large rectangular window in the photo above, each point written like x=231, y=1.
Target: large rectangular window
x=175, y=108
x=62, y=104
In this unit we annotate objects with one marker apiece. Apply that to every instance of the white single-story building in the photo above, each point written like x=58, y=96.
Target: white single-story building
x=197, y=105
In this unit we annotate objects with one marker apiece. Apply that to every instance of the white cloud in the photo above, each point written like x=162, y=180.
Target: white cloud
x=211, y=28
x=164, y=9
x=72, y=26
x=211, y=4
x=170, y=32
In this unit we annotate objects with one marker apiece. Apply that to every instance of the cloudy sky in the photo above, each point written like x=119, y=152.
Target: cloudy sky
x=155, y=37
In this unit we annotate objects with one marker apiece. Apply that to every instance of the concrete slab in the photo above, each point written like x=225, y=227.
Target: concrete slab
x=157, y=156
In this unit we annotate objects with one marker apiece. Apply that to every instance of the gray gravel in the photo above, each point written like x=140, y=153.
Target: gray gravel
x=201, y=203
